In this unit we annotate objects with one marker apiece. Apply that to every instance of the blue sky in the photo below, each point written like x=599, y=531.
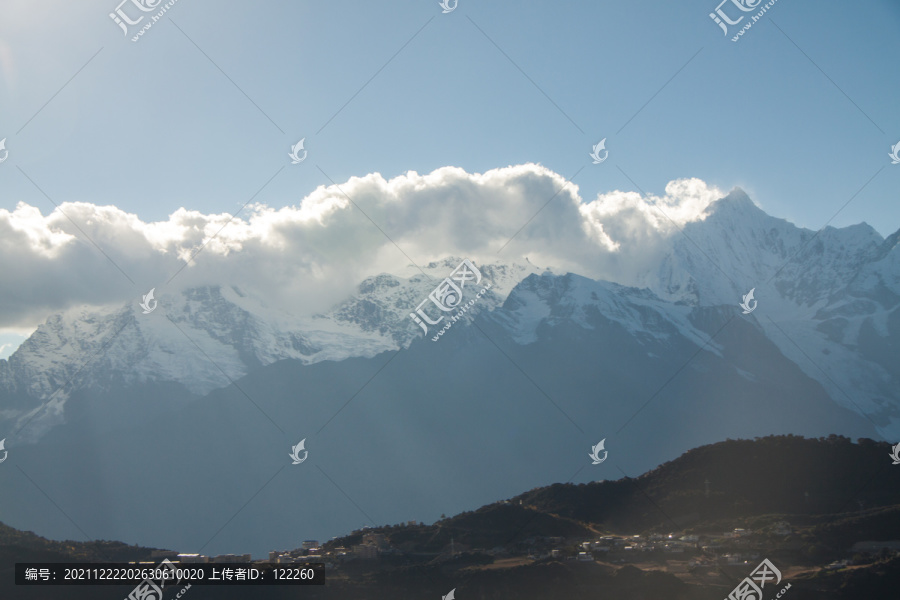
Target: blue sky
x=202, y=111
x=197, y=118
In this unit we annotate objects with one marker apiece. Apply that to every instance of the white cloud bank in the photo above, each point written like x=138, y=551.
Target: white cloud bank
x=305, y=258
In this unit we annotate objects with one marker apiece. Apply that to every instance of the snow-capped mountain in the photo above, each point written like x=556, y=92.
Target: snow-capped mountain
x=204, y=338
x=541, y=367
x=507, y=402
x=827, y=300
x=738, y=246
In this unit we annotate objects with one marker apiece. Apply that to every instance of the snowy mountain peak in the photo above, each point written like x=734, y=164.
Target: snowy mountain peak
x=383, y=303
x=204, y=337
x=837, y=291
x=736, y=200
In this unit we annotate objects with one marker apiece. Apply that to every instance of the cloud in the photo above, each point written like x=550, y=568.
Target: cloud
x=305, y=258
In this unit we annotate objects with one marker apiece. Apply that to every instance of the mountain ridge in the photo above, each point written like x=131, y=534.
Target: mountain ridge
x=838, y=290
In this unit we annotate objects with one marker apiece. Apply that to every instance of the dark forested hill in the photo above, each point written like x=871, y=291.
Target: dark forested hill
x=835, y=493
